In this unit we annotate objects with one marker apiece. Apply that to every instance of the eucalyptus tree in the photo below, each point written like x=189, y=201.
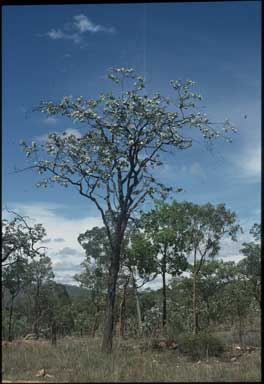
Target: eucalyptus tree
x=111, y=163
x=19, y=239
x=137, y=266
x=39, y=276
x=208, y=225
x=95, y=266
x=13, y=280
x=140, y=259
x=168, y=229
x=250, y=265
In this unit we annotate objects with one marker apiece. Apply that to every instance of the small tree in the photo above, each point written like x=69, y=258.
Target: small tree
x=250, y=266
x=137, y=266
x=39, y=275
x=168, y=229
x=208, y=225
x=13, y=280
x=19, y=239
x=111, y=163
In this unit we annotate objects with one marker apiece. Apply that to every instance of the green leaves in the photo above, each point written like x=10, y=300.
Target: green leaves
x=123, y=134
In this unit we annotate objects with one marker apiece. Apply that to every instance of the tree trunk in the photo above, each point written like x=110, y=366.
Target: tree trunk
x=96, y=322
x=35, y=326
x=123, y=309
x=54, y=333
x=195, y=314
x=10, y=319
x=110, y=301
x=164, y=293
x=195, y=317
x=139, y=316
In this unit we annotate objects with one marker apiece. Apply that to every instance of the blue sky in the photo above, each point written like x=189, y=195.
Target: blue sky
x=53, y=51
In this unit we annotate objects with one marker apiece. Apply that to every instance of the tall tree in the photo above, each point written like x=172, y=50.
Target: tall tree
x=111, y=163
x=208, y=224
x=168, y=228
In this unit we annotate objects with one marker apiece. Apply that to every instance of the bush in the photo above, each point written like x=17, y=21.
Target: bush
x=201, y=346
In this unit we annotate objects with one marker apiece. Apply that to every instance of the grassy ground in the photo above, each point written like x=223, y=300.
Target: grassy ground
x=80, y=360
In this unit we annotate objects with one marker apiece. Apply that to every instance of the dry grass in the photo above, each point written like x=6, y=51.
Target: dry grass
x=80, y=360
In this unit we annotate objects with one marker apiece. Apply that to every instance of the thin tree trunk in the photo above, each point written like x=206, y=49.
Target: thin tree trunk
x=195, y=319
x=35, y=327
x=54, y=333
x=10, y=319
x=164, y=293
x=123, y=309
x=96, y=323
x=195, y=314
x=110, y=301
x=139, y=315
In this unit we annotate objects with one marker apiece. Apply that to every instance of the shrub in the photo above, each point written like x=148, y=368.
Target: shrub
x=201, y=345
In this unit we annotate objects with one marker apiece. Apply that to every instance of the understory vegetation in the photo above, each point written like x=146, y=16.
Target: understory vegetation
x=79, y=359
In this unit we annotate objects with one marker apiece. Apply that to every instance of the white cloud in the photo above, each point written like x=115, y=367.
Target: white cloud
x=74, y=30
x=83, y=24
x=50, y=120
x=197, y=171
x=251, y=162
x=73, y=131
x=55, y=34
x=59, y=227
x=247, y=163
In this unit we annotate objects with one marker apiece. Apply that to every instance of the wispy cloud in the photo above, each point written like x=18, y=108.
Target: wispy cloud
x=248, y=163
x=76, y=29
x=50, y=120
x=169, y=170
x=196, y=170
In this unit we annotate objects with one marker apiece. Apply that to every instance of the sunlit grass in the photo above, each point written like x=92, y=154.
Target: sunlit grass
x=80, y=360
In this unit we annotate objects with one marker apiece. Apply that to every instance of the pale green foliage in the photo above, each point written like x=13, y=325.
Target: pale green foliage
x=111, y=163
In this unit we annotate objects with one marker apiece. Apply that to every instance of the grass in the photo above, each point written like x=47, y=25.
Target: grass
x=80, y=360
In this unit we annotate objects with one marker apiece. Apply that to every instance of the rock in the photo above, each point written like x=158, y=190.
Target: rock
x=31, y=336
x=41, y=373
x=250, y=349
x=173, y=345
x=47, y=375
x=233, y=359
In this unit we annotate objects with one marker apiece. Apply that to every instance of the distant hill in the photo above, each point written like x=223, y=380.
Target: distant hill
x=74, y=291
